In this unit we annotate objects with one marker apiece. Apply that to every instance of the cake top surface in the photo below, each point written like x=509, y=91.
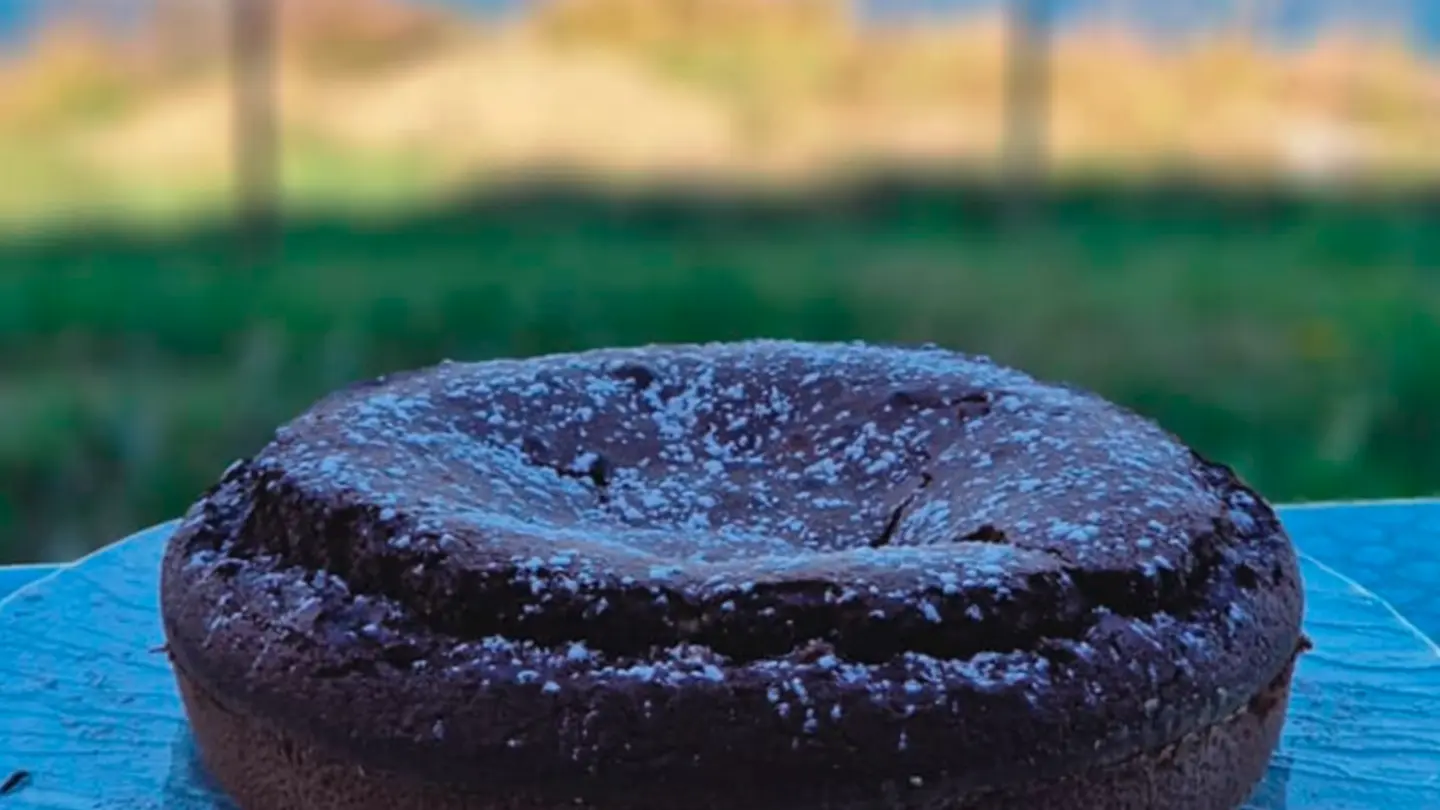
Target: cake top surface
x=755, y=461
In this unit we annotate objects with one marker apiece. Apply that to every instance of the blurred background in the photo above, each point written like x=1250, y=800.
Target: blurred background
x=1222, y=214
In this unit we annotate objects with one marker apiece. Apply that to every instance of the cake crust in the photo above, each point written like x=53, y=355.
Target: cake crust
x=836, y=570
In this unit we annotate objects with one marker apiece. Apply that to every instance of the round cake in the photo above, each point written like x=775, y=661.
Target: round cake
x=731, y=577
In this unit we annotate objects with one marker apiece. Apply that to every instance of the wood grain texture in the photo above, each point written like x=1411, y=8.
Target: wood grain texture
x=1388, y=548
x=15, y=577
x=89, y=710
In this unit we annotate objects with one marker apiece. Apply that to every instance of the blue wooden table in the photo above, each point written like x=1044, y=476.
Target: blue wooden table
x=15, y=577
x=89, y=717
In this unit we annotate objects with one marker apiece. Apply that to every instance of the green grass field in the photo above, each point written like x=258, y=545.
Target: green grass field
x=1294, y=338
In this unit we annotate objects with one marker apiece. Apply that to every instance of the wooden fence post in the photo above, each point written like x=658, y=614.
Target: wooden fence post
x=1027, y=103
x=256, y=125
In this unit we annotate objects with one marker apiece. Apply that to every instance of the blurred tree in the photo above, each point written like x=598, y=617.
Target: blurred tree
x=257, y=139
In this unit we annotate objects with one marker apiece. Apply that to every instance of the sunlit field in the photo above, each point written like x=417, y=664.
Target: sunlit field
x=627, y=171
x=385, y=103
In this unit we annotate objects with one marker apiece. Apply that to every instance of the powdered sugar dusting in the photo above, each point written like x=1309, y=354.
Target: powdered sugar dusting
x=836, y=534
x=691, y=461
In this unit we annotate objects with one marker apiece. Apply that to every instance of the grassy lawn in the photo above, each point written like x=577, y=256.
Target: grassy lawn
x=1292, y=337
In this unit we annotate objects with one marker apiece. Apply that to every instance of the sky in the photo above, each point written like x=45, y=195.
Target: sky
x=1289, y=18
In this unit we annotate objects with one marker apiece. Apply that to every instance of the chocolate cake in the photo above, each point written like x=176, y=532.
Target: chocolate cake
x=731, y=577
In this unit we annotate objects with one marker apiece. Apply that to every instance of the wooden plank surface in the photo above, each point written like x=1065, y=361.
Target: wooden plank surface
x=15, y=577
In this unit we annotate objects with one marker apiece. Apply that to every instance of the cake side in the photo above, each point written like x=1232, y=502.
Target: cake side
x=1213, y=768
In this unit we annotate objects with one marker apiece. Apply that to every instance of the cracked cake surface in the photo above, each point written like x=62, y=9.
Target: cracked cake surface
x=848, y=566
